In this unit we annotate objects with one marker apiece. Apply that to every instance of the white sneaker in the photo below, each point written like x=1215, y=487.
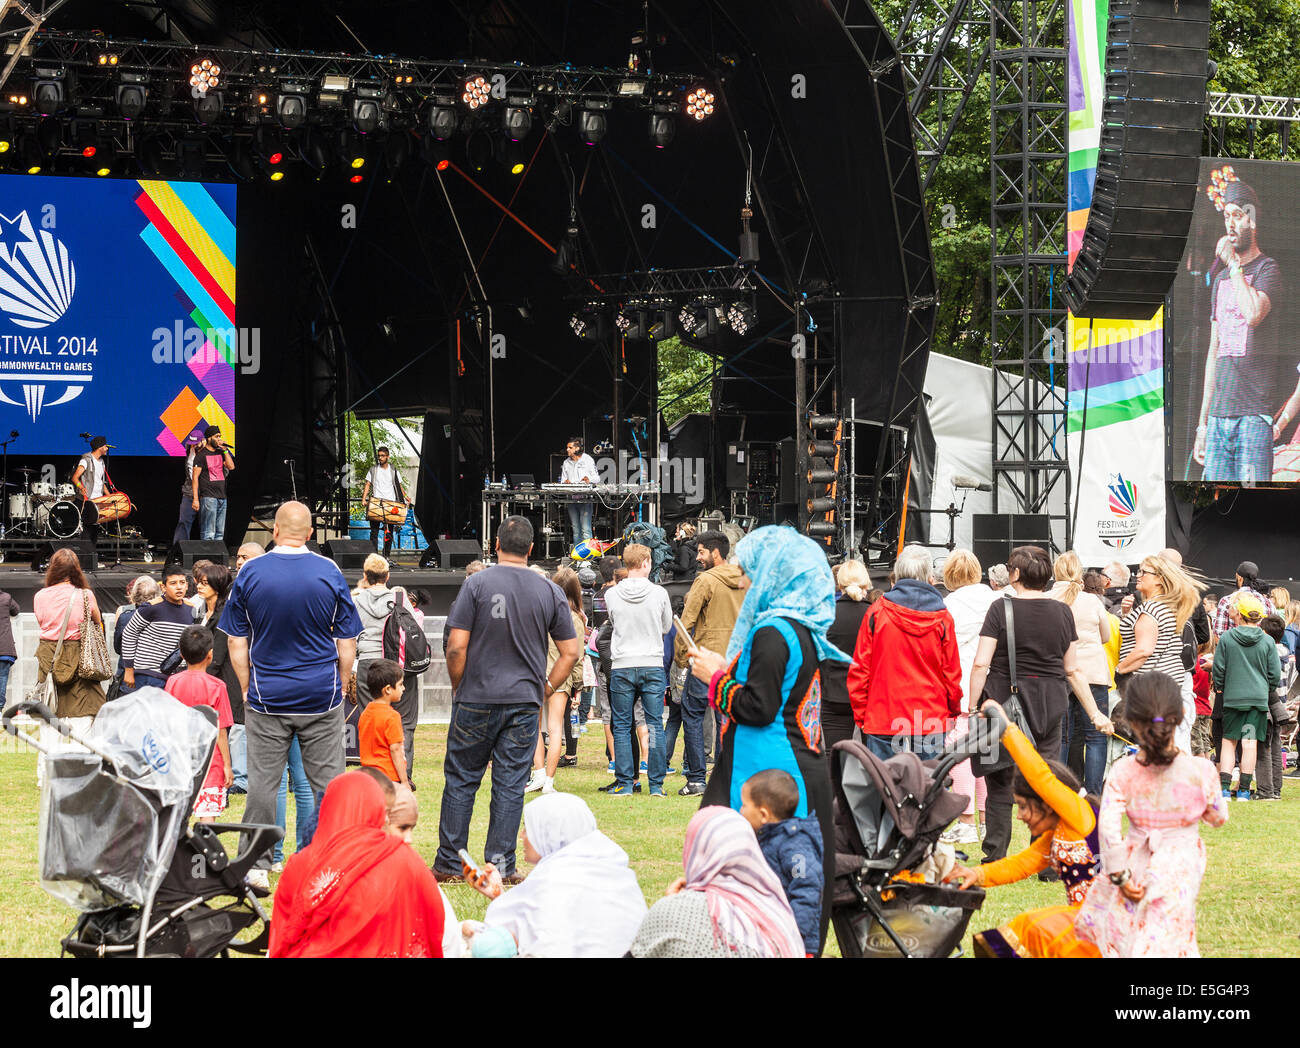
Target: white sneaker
x=258, y=879
x=964, y=833
x=277, y=867
x=535, y=782
x=549, y=785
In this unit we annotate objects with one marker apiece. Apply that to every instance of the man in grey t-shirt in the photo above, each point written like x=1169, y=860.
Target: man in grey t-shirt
x=496, y=659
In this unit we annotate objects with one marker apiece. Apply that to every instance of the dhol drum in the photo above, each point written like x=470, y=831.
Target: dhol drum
x=386, y=512
x=108, y=508
x=63, y=519
x=43, y=491
x=20, y=507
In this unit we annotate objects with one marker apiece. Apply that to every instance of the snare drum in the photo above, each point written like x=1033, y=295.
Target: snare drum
x=63, y=519
x=43, y=491
x=20, y=507
x=67, y=491
x=386, y=512
x=108, y=508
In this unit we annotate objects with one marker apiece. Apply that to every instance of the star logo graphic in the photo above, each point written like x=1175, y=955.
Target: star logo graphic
x=11, y=233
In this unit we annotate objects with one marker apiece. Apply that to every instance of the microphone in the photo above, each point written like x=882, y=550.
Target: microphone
x=13, y=434
x=85, y=436
x=960, y=480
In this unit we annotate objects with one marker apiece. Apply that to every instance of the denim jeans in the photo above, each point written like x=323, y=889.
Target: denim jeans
x=185, y=522
x=506, y=735
x=212, y=519
x=671, y=730
x=695, y=707
x=1095, y=744
x=580, y=520
x=584, y=705
x=303, y=799
x=239, y=756
x=625, y=687
x=927, y=747
x=1239, y=449
x=5, y=667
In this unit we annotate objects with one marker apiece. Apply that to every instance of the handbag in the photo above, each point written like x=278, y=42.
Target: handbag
x=95, y=664
x=999, y=758
x=45, y=691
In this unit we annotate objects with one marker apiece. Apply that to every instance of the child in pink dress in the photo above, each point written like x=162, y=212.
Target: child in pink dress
x=1144, y=903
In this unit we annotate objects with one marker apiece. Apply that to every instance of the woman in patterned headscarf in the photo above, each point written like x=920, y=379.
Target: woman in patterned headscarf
x=767, y=689
x=356, y=890
x=729, y=903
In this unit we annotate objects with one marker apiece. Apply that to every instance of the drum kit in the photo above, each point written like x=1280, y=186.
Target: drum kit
x=45, y=510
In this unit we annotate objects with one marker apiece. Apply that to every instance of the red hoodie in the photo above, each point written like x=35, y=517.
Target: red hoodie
x=906, y=673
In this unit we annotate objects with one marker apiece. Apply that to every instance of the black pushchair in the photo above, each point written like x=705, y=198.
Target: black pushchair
x=115, y=839
x=888, y=818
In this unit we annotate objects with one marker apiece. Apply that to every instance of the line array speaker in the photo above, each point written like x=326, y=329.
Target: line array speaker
x=1148, y=158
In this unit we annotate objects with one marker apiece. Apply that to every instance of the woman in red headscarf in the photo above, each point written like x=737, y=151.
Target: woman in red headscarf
x=356, y=891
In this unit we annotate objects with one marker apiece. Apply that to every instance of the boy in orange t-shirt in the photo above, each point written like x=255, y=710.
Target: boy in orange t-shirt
x=382, y=743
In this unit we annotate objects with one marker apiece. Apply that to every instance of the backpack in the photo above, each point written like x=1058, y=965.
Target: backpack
x=404, y=641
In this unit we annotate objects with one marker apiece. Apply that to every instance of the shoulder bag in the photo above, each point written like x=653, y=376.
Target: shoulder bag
x=96, y=663
x=999, y=758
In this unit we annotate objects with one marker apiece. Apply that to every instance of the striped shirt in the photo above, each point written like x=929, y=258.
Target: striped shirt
x=153, y=633
x=1168, y=655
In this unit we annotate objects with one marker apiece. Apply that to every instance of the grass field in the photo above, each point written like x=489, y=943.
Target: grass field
x=1249, y=902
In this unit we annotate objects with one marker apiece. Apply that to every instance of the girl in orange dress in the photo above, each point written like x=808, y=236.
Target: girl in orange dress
x=1063, y=830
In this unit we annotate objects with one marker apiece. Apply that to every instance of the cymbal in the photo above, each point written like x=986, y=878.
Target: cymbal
x=26, y=471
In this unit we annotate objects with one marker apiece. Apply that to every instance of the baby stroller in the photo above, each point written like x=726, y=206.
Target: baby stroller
x=888, y=818
x=115, y=840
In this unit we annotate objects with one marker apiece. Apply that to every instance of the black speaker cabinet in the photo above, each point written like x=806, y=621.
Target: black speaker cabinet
x=83, y=548
x=1148, y=158
x=187, y=551
x=995, y=535
x=452, y=553
x=348, y=554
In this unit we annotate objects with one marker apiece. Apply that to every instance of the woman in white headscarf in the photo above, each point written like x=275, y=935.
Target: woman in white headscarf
x=582, y=898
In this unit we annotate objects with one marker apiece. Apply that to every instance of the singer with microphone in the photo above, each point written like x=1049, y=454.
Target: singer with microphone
x=213, y=462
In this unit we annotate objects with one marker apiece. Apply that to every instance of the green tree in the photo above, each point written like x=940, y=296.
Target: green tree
x=684, y=385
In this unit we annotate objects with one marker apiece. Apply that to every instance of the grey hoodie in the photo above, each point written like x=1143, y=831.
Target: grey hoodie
x=642, y=617
x=373, y=605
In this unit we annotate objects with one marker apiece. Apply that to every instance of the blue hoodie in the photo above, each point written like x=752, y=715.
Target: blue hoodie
x=793, y=848
x=915, y=594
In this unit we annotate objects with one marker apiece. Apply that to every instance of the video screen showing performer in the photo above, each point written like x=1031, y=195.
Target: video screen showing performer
x=1234, y=387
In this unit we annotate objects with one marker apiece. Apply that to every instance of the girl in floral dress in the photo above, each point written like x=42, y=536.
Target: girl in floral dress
x=1144, y=904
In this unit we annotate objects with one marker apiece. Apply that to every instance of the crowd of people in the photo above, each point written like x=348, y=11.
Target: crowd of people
x=1113, y=689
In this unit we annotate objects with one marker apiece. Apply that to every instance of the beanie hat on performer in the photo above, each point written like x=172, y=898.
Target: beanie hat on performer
x=211, y=431
x=99, y=442
x=1240, y=194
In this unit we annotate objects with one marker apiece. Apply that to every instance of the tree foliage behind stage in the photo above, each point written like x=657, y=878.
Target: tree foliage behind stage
x=1253, y=42
x=684, y=380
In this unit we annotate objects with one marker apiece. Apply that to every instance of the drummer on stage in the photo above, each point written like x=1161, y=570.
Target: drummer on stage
x=579, y=468
x=384, y=481
x=88, y=477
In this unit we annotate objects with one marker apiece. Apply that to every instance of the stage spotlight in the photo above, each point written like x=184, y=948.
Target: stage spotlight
x=205, y=74
x=104, y=161
x=130, y=96
x=29, y=157
x=270, y=146
x=741, y=317
x=476, y=93
x=443, y=121
x=592, y=124
x=240, y=159
x=208, y=106
x=478, y=151
x=517, y=122
x=49, y=133
x=566, y=251
x=108, y=59
x=699, y=318
x=357, y=178
x=47, y=91
x=149, y=156
x=17, y=100
x=365, y=114
x=6, y=138
x=291, y=107
x=85, y=138
x=435, y=153
x=699, y=104
x=318, y=151
x=590, y=324
x=277, y=175
x=662, y=323
x=352, y=148
x=663, y=129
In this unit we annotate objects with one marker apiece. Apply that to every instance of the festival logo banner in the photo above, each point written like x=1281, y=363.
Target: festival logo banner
x=1115, y=426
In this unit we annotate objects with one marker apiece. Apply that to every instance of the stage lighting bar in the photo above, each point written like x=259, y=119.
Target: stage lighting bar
x=477, y=92
x=205, y=75
x=720, y=283
x=442, y=119
x=699, y=104
x=741, y=317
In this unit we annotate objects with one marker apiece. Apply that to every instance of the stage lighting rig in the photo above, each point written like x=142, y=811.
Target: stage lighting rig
x=741, y=317
x=699, y=104
x=699, y=318
x=85, y=138
x=367, y=112
x=130, y=95
x=663, y=128
x=442, y=119
x=205, y=75
x=49, y=134
x=318, y=151
x=517, y=119
x=592, y=121
x=6, y=137
x=47, y=90
x=476, y=93
x=108, y=59
x=590, y=324
x=28, y=154
x=208, y=106
x=18, y=100
x=291, y=106
x=352, y=148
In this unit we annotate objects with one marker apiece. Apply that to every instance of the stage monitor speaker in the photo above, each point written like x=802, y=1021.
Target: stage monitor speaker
x=787, y=454
x=1148, y=159
x=452, y=553
x=737, y=475
x=995, y=535
x=348, y=554
x=187, y=551
x=83, y=548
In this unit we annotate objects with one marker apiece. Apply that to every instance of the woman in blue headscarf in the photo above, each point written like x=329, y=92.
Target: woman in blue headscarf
x=767, y=689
